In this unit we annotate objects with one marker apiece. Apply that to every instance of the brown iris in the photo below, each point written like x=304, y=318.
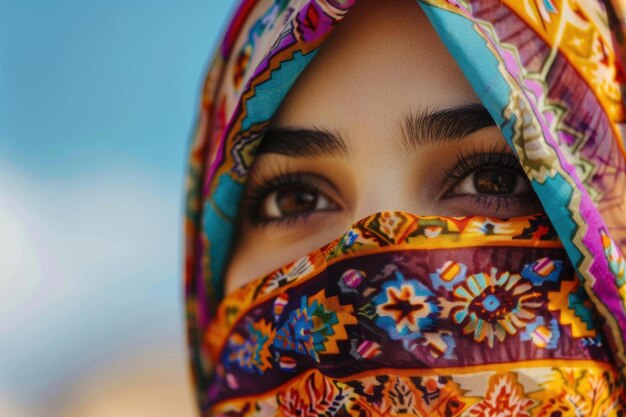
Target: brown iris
x=296, y=200
x=495, y=181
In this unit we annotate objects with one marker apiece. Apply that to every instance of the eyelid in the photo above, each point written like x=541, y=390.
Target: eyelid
x=497, y=156
x=522, y=187
x=261, y=187
x=270, y=201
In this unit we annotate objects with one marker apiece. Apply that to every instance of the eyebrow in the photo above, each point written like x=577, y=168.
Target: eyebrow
x=302, y=142
x=429, y=127
x=417, y=129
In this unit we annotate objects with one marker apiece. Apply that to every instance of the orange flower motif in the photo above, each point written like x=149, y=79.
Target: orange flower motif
x=504, y=398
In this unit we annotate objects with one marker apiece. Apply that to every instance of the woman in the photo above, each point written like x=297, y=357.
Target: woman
x=471, y=154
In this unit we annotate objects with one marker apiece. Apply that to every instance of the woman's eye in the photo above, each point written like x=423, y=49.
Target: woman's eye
x=494, y=181
x=294, y=201
x=288, y=197
x=490, y=184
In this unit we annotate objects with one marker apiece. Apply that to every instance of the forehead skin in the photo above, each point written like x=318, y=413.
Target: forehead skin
x=380, y=62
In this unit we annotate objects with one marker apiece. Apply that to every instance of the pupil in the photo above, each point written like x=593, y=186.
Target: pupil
x=495, y=181
x=296, y=200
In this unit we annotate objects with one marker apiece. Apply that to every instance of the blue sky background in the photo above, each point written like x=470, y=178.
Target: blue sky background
x=97, y=103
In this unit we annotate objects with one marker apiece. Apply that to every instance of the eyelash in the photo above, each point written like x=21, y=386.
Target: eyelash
x=260, y=188
x=497, y=156
x=467, y=163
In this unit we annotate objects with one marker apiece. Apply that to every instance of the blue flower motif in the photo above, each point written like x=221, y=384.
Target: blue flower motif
x=405, y=308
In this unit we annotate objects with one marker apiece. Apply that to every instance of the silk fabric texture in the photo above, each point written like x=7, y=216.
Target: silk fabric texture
x=549, y=73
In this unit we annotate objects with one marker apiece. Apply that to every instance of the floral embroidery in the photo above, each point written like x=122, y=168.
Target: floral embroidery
x=318, y=396
x=493, y=305
x=579, y=392
x=377, y=335
x=252, y=353
x=316, y=326
x=504, y=398
x=406, y=308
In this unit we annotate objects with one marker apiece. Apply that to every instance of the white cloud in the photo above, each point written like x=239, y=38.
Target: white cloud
x=89, y=268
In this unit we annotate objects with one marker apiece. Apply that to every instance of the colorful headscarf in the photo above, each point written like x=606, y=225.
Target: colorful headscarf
x=549, y=74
